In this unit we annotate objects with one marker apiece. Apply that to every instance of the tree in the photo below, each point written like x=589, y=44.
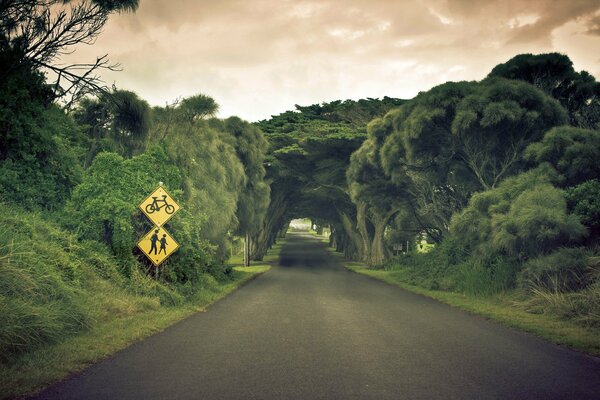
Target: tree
x=118, y=121
x=583, y=200
x=213, y=174
x=496, y=122
x=309, y=153
x=377, y=199
x=251, y=147
x=525, y=216
x=35, y=33
x=578, y=92
x=198, y=107
x=459, y=138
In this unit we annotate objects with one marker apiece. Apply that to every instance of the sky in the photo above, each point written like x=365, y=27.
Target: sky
x=259, y=58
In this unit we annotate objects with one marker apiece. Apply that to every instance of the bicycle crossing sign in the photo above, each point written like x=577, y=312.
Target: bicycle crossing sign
x=158, y=245
x=159, y=207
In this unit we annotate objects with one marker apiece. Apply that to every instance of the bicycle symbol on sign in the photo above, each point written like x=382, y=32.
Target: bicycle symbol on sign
x=155, y=206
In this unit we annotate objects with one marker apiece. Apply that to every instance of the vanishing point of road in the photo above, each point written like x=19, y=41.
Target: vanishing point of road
x=310, y=329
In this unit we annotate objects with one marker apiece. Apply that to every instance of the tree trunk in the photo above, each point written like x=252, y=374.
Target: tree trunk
x=361, y=225
x=378, y=252
x=353, y=249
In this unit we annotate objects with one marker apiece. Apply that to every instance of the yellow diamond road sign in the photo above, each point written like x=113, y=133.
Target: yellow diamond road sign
x=158, y=245
x=159, y=207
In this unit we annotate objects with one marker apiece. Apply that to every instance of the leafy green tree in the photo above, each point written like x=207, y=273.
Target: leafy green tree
x=376, y=197
x=584, y=201
x=104, y=206
x=212, y=172
x=39, y=144
x=118, y=121
x=578, y=92
x=459, y=138
x=197, y=107
x=251, y=147
x=494, y=124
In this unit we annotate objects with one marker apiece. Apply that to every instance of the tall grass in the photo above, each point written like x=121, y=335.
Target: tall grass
x=480, y=278
x=52, y=286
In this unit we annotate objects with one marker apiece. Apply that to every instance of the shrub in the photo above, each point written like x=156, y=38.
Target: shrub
x=523, y=217
x=567, y=269
x=584, y=201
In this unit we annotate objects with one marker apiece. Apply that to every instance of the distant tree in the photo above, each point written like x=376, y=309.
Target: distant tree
x=376, y=197
x=117, y=121
x=198, y=107
x=309, y=152
x=578, y=92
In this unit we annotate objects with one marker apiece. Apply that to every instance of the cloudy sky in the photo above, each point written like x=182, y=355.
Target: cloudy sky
x=257, y=58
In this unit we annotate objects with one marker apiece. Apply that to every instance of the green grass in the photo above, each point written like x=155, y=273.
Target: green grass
x=119, y=317
x=507, y=308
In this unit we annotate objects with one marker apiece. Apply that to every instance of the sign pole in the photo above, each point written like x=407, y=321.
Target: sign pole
x=247, y=250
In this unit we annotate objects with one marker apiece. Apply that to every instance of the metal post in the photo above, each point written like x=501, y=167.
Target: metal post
x=247, y=250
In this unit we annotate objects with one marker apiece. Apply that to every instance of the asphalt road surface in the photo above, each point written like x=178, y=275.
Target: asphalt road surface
x=309, y=329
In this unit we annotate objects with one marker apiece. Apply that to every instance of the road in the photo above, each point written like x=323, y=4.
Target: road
x=309, y=329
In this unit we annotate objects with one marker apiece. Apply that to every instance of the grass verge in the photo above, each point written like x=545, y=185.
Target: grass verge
x=40, y=368
x=504, y=308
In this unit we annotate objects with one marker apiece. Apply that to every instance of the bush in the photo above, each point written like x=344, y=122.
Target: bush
x=523, y=217
x=536, y=222
x=567, y=269
x=584, y=201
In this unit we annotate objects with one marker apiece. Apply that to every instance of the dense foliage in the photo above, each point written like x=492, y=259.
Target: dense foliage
x=501, y=174
x=76, y=159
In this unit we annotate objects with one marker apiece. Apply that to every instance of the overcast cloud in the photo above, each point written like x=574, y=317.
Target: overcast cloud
x=258, y=57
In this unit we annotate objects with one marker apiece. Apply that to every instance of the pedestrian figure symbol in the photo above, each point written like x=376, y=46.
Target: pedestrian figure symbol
x=154, y=239
x=163, y=244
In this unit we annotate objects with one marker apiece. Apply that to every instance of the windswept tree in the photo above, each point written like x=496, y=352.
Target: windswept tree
x=41, y=147
x=459, y=138
x=376, y=197
x=251, y=147
x=117, y=121
x=577, y=92
x=34, y=34
x=213, y=174
x=198, y=107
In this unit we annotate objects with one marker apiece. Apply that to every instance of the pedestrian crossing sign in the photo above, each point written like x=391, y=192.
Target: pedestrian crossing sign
x=157, y=245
